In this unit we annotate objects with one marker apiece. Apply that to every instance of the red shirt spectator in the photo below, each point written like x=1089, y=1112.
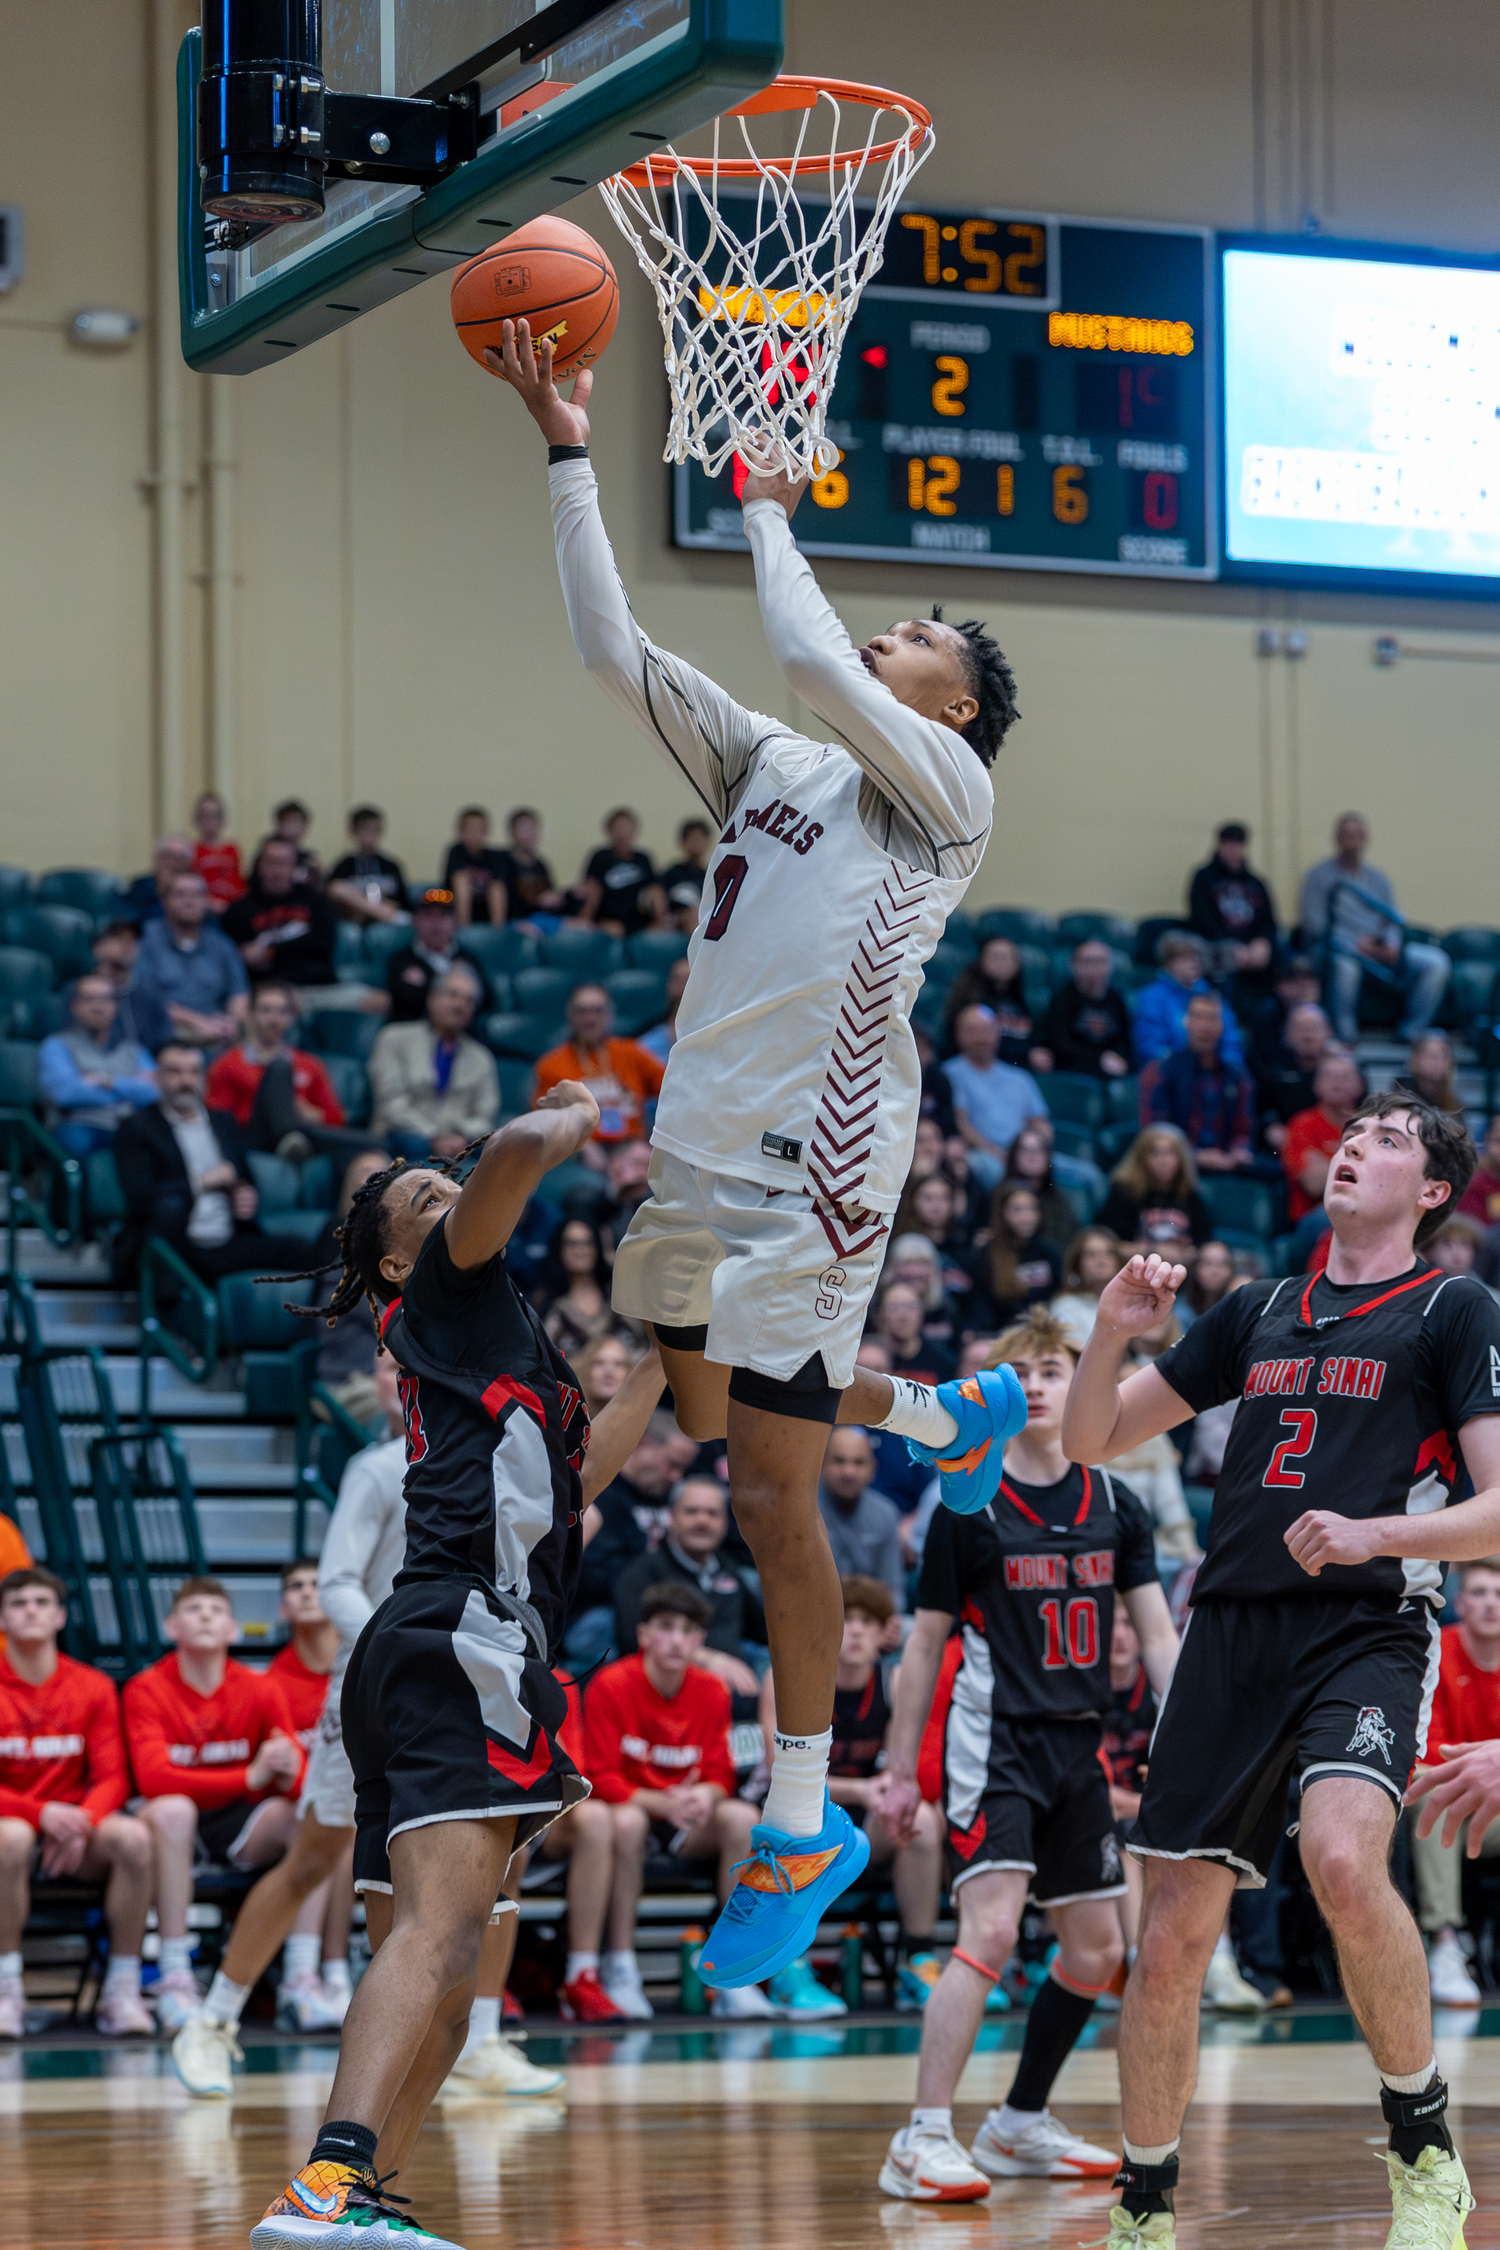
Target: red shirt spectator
x=305, y=1690
x=234, y=1081
x=183, y=1744
x=1466, y=1706
x=635, y=1738
x=219, y=865
x=1312, y=1132
x=1313, y=1135
x=60, y=1742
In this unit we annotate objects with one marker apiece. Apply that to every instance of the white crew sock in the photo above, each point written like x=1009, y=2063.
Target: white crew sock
x=579, y=1965
x=11, y=1965
x=301, y=1954
x=176, y=1956
x=1157, y=2153
x=915, y=1413
x=123, y=1973
x=621, y=1965
x=932, y=2120
x=335, y=1974
x=225, y=2003
x=799, y=1783
x=1224, y=1951
x=484, y=2021
x=1415, y=2082
x=1008, y=2120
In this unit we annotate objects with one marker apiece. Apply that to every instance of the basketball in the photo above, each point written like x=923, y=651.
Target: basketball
x=550, y=273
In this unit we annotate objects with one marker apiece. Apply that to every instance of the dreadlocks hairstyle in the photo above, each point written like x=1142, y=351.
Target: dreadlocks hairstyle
x=992, y=684
x=362, y=1244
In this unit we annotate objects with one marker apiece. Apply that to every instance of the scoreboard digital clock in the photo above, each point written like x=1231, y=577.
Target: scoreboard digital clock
x=1017, y=392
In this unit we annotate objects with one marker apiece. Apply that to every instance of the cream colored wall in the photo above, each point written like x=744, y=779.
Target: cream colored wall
x=395, y=629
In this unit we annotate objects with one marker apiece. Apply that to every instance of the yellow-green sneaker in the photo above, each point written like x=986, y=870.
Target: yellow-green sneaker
x=1430, y=2200
x=1158, y=2230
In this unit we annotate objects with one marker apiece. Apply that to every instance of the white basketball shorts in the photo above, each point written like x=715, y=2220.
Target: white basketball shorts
x=328, y=1784
x=776, y=1273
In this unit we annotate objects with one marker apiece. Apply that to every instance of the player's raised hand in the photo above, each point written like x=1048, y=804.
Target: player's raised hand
x=1465, y=1787
x=568, y=1093
x=562, y=421
x=769, y=480
x=1320, y=1537
x=1141, y=1295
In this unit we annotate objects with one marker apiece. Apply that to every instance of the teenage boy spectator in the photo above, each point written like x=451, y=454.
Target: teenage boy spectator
x=1313, y=1135
x=190, y=982
x=411, y=970
x=185, y=1175
x=662, y=1037
x=365, y=885
x=215, y=855
x=1465, y=1708
x=656, y=1733
x=1161, y=1006
x=63, y=1786
x=864, y=1527
x=992, y=1100
x=302, y=1667
x=682, y=884
x=1232, y=908
x=145, y=898
x=91, y=1075
x=280, y=1097
x=473, y=871
x=627, y=1172
x=1481, y=1198
x=214, y=1752
x=1206, y=1095
x=1284, y=1076
x=620, y=1074
x=532, y=898
x=290, y=822
x=691, y=1552
x=435, y=1088
x=899, y=1315
x=619, y=889
x=1086, y=1024
x=1347, y=907
x=283, y=925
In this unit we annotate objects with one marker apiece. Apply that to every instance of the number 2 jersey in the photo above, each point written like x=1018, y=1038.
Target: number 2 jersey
x=1351, y=1398
x=1032, y=1581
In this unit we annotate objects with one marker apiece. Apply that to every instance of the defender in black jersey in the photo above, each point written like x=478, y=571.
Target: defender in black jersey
x=1031, y=1584
x=450, y=1712
x=1364, y=1394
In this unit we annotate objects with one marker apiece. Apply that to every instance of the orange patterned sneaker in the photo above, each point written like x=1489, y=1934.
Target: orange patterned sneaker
x=340, y=2207
x=772, y=1914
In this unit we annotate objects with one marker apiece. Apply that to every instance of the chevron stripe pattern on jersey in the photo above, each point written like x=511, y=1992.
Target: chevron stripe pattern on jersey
x=844, y=1132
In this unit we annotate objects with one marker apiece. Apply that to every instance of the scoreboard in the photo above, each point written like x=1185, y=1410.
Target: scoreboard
x=1016, y=392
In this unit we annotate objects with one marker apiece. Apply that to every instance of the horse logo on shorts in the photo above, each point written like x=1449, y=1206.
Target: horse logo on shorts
x=1109, y=1861
x=1371, y=1733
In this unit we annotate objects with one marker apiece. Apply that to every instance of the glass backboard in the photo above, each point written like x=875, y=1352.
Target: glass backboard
x=634, y=76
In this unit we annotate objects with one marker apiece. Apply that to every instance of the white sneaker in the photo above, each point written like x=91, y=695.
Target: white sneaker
x=123, y=2014
x=740, y=2000
x=1224, y=1988
x=930, y=2167
x=1448, y=1974
x=12, y=2008
x=177, y=1997
x=496, y=2066
x=338, y=1992
x=1043, y=2149
x=302, y=2005
x=624, y=1987
x=204, y=2054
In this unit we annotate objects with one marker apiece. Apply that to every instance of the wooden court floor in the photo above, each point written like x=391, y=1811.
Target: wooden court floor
x=725, y=2144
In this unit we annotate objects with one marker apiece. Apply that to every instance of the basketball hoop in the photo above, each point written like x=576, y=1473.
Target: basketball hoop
x=754, y=316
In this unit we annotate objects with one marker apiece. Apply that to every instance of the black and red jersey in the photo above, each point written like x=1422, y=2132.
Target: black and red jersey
x=861, y=1716
x=1032, y=1580
x=496, y=1432
x=1352, y=1396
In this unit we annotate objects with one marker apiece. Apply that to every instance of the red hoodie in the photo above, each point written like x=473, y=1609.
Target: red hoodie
x=60, y=1743
x=306, y=1691
x=637, y=1739
x=183, y=1744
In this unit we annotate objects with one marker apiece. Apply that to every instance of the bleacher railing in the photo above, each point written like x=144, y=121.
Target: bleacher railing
x=159, y=1261
x=28, y=1150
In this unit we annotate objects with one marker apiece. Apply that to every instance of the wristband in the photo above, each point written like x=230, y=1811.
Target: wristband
x=556, y=453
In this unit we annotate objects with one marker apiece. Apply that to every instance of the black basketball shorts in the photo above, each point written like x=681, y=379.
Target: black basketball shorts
x=1313, y=1685
x=1042, y=1809
x=448, y=1714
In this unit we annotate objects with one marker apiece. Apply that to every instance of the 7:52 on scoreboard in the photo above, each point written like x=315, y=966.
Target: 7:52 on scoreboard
x=1016, y=393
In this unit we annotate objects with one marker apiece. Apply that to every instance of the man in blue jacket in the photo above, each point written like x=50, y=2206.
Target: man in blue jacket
x=91, y=1076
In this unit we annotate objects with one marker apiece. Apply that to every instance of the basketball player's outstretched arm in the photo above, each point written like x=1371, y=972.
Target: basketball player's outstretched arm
x=514, y=1161
x=1104, y=1416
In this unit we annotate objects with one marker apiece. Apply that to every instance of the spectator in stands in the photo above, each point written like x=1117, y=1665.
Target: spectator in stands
x=682, y=884
x=993, y=980
x=1086, y=1026
x=991, y=1100
x=1233, y=910
x=863, y=1524
x=91, y=1075
x=473, y=872
x=913, y=1259
x=627, y=1174
x=662, y=1037
x=1018, y=1266
x=1349, y=909
x=601, y=1368
x=1154, y=1200
x=937, y=1094
x=215, y=855
x=14, y=1552
x=1207, y=1096
x=930, y=1209
x=1457, y=1247
x=214, y=1751
x=1313, y=1136
x=620, y=1074
x=631, y=1512
x=435, y=1089
x=1161, y=1007
x=618, y=890
x=1481, y=1198
x=573, y=1293
x=116, y=951
x=1432, y=1072
x=190, y=983
x=320, y=1932
x=290, y=822
x=63, y=1786
x=283, y=925
x=1090, y=1263
x=411, y=970
x=1211, y=1275
x=365, y=885
x=532, y=899
x=899, y=1315
x=145, y=898
x=1465, y=1708
x=185, y=1175
x=346, y=1358
x=280, y=1097
x=656, y=1730
x=692, y=1552
x=1284, y=1076
x=1029, y=1165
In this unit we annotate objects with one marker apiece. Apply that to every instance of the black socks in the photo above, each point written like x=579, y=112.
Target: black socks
x=1052, y=2028
x=1146, y=2187
x=342, y=2142
x=1417, y=2121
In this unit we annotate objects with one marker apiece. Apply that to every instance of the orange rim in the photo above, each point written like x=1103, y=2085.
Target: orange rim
x=789, y=93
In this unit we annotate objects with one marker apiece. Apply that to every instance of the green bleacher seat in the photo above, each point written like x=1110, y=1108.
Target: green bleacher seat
x=1072, y=1139
x=61, y=932
x=1123, y=1097
x=1075, y=1097
x=516, y=1081
x=1036, y=973
x=499, y=951
x=252, y=1317
x=349, y=960
x=1473, y=995
x=583, y=954
x=947, y=962
x=104, y=1200
x=542, y=992
x=318, y=1183
x=351, y=1084
x=378, y=941
x=656, y=949
x=25, y=974
x=38, y=1019
x=640, y=999
x=1111, y=1141
x=89, y=890
x=959, y=931
x=18, y=1075
x=1473, y=943
x=522, y=1036
x=339, y=1031
x=15, y=888
x=1023, y=924
x=1115, y=930
x=1248, y=1207
x=567, y=1181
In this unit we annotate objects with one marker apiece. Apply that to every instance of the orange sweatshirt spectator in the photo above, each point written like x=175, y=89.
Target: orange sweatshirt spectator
x=14, y=1552
x=621, y=1074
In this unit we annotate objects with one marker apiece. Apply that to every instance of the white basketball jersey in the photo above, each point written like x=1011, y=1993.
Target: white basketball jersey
x=838, y=866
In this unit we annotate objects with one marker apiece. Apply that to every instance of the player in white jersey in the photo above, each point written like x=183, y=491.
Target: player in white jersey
x=785, y=1126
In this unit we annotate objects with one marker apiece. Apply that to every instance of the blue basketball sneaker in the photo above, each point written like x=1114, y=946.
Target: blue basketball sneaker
x=990, y=1409
x=772, y=1914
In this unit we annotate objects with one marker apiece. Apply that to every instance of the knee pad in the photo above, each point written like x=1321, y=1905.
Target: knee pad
x=807, y=1396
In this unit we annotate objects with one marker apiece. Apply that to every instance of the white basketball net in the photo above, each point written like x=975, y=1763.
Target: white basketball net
x=754, y=326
